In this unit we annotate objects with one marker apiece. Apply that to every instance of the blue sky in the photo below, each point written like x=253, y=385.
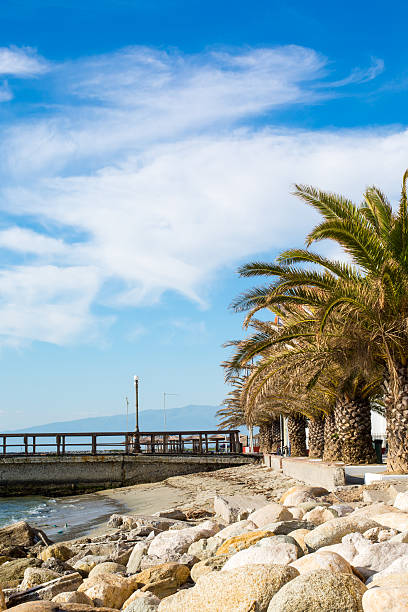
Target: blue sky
x=149, y=148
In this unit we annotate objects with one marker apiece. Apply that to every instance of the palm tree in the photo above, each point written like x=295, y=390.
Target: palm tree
x=372, y=294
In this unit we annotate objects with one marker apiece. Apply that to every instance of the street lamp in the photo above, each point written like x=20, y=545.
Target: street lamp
x=136, y=381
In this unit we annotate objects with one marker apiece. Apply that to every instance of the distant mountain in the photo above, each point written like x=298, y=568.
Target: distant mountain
x=177, y=419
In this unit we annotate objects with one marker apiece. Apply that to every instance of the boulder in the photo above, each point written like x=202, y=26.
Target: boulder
x=20, y=534
x=108, y=567
x=73, y=597
x=170, y=545
x=296, y=512
x=299, y=536
x=110, y=590
x=401, y=538
x=206, y=547
x=237, y=507
x=48, y=590
x=12, y=573
x=213, y=564
x=320, y=591
x=233, y=545
x=401, y=501
x=162, y=580
x=398, y=566
x=320, y=515
x=286, y=527
x=240, y=590
x=172, y=513
x=394, y=520
x=56, y=551
x=277, y=549
x=378, y=580
x=133, y=565
x=325, y=560
x=341, y=509
x=271, y=513
x=379, y=534
x=377, y=557
x=88, y=562
x=33, y=576
x=301, y=493
x=333, y=531
x=141, y=602
x=2, y=601
x=235, y=529
x=387, y=598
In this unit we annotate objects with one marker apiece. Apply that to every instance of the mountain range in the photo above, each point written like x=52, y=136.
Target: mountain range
x=186, y=418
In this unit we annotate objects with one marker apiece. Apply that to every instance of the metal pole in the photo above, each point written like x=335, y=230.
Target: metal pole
x=136, y=379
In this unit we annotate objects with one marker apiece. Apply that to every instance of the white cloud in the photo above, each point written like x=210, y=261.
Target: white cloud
x=153, y=168
x=21, y=62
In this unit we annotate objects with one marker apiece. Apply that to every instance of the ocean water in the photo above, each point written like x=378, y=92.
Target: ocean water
x=61, y=518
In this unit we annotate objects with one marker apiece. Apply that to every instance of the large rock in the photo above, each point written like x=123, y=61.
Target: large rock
x=73, y=597
x=320, y=591
x=393, y=580
x=393, y=520
x=399, y=566
x=401, y=501
x=320, y=515
x=33, y=576
x=235, y=529
x=141, y=602
x=271, y=513
x=57, y=551
x=88, y=562
x=2, y=601
x=20, y=534
x=299, y=536
x=277, y=549
x=236, y=508
x=325, y=560
x=206, y=547
x=386, y=599
x=110, y=590
x=133, y=565
x=170, y=545
x=300, y=494
x=213, y=564
x=48, y=590
x=380, y=534
x=108, y=567
x=162, y=580
x=12, y=573
x=233, y=545
x=377, y=557
x=286, y=527
x=333, y=531
x=240, y=590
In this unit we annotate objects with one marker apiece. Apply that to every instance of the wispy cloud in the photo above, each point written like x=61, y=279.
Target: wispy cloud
x=151, y=159
x=21, y=62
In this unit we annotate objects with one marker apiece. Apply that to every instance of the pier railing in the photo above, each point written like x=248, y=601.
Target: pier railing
x=127, y=443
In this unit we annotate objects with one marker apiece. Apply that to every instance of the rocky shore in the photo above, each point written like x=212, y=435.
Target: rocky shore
x=243, y=540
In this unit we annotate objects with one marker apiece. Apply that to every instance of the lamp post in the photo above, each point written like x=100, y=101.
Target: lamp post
x=136, y=381
x=137, y=441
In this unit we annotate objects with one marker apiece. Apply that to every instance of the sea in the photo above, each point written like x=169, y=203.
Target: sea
x=61, y=518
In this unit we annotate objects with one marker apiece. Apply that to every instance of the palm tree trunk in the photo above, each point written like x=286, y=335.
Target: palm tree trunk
x=396, y=404
x=297, y=435
x=316, y=437
x=353, y=421
x=332, y=446
x=269, y=436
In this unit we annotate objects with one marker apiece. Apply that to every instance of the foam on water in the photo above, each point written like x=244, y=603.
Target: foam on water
x=62, y=518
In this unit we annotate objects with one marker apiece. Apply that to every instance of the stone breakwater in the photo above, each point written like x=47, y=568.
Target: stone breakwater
x=308, y=551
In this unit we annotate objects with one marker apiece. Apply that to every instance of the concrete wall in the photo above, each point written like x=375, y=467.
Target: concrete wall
x=80, y=474
x=315, y=473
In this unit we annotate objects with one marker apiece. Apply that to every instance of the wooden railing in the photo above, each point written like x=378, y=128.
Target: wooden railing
x=128, y=443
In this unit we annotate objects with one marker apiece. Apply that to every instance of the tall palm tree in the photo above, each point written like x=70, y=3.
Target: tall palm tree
x=372, y=293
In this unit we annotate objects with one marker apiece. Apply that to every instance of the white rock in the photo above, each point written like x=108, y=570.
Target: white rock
x=398, y=566
x=394, y=520
x=236, y=529
x=342, y=509
x=386, y=599
x=329, y=561
x=133, y=565
x=401, y=501
x=237, y=507
x=170, y=545
x=319, y=515
x=378, y=557
x=271, y=513
x=267, y=551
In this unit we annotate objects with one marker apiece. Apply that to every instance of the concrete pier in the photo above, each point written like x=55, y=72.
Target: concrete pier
x=70, y=475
